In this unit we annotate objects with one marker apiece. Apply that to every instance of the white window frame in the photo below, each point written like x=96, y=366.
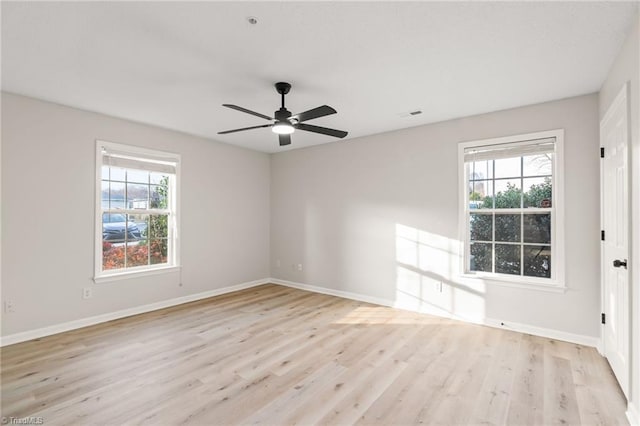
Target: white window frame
x=557, y=281
x=173, y=254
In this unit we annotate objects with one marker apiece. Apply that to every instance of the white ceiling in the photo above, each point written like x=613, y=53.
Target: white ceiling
x=172, y=64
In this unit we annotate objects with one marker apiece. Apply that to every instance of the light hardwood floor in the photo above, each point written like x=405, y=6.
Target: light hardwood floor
x=276, y=355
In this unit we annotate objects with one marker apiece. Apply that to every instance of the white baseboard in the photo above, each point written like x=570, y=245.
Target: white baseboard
x=514, y=326
x=544, y=332
x=84, y=322
x=72, y=325
x=522, y=328
x=600, y=346
x=633, y=414
x=331, y=292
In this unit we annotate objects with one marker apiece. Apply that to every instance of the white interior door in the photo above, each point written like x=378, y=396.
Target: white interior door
x=615, y=249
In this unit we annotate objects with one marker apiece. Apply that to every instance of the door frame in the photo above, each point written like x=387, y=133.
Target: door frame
x=622, y=96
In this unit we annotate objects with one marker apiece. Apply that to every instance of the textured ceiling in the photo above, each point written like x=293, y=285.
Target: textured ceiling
x=172, y=64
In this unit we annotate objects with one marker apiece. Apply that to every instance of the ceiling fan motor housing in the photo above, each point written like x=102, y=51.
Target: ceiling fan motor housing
x=282, y=114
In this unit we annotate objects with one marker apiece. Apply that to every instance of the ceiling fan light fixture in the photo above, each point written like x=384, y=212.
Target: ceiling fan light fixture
x=282, y=128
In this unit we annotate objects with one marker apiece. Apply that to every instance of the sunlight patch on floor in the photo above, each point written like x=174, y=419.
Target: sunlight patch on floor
x=384, y=315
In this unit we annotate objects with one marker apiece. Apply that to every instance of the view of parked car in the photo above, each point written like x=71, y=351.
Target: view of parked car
x=115, y=227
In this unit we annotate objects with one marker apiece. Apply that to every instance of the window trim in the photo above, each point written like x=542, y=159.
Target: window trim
x=101, y=276
x=557, y=282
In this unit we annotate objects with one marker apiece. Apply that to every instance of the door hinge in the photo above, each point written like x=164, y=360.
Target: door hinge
x=601, y=152
x=602, y=235
x=602, y=318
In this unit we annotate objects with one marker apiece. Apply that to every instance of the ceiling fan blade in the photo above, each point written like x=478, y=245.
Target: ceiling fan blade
x=321, y=111
x=248, y=111
x=323, y=130
x=285, y=140
x=244, y=128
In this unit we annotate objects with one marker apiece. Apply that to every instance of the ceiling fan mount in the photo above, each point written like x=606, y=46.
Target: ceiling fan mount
x=285, y=123
x=283, y=88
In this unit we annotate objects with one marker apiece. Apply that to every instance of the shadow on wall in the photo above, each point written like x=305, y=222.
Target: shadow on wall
x=426, y=268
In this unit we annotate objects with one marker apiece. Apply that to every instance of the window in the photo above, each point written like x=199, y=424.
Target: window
x=512, y=215
x=136, y=214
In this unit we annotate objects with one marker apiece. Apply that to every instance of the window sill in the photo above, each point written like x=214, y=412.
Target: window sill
x=134, y=274
x=552, y=286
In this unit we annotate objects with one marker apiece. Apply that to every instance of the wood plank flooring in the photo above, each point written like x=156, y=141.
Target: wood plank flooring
x=281, y=356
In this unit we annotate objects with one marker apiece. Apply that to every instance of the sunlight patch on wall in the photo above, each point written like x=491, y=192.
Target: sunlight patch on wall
x=426, y=276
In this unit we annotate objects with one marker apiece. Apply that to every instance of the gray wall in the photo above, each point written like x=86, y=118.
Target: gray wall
x=48, y=209
x=353, y=213
x=378, y=216
x=626, y=68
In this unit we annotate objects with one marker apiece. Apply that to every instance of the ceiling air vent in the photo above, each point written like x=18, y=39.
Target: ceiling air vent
x=410, y=113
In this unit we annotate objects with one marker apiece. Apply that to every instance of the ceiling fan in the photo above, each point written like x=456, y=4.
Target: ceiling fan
x=285, y=123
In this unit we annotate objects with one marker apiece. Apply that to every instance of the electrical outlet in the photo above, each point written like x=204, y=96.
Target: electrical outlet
x=9, y=307
x=299, y=266
x=87, y=293
x=278, y=263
